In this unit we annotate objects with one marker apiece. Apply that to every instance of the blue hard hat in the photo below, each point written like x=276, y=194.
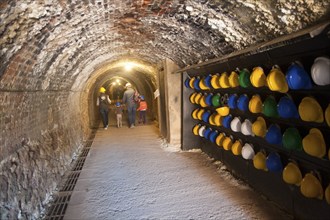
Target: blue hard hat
x=232, y=101
x=117, y=104
x=274, y=163
x=226, y=121
x=142, y=97
x=243, y=103
x=274, y=135
x=196, y=84
x=213, y=136
x=207, y=133
x=205, y=116
x=207, y=80
x=186, y=83
x=297, y=77
x=286, y=108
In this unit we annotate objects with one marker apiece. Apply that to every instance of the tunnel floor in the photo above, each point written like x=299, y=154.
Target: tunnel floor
x=132, y=174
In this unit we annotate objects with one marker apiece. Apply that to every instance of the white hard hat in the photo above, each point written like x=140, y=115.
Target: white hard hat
x=246, y=127
x=320, y=71
x=128, y=85
x=248, y=151
x=235, y=124
x=201, y=131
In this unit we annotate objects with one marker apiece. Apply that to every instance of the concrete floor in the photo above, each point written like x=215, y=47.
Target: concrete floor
x=130, y=174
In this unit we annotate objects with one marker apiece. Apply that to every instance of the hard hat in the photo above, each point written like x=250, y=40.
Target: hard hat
x=274, y=135
x=194, y=113
x=227, y=143
x=201, y=130
x=259, y=161
x=200, y=113
x=311, y=187
x=246, y=128
x=211, y=119
x=220, y=139
x=258, y=77
x=102, y=90
x=198, y=98
x=215, y=81
x=196, y=83
x=235, y=124
x=269, y=107
x=202, y=84
x=232, y=101
x=186, y=83
x=259, y=127
x=233, y=79
x=218, y=119
x=276, y=80
x=196, y=129
x=142, y=97
x=320, y=71
x=130, y=85
x=216, y=100
x=207, y=132
x=286, y=108
x=291, y=174
x=244, y=78
x=273, y=162
x=207, y=81
x=327, y=194
x=192, y=97
x=310, y=110
x=327, y=115
x=117, y=104
x=226, y=121
x=202, y=101
x=205, y=116
x=291, y=139
x=236, y=148
x=208, y=99
x=224, y=81
x=191, y=82
x=224, y=99
x=243, y=102
x=314, y=144
x=248, y=151
x=223, y=111
x=213, y=135
x=255, y=104
x=297, y=77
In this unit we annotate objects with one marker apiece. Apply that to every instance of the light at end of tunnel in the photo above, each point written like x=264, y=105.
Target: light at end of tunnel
x=128, y=66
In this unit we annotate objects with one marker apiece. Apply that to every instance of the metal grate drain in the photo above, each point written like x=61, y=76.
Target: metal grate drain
x=58, y=208
x=71, y=181
x=79, y=164
x=84, y=152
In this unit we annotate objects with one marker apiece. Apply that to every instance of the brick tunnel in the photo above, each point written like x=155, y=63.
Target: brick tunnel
x=55, y=56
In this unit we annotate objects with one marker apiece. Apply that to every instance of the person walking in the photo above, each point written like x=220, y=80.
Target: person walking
x=143, y=110
x=103, y=101
x=130, y=102
x=119, y=114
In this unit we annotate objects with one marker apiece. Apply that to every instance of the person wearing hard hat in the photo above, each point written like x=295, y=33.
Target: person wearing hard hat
x=143, y=110
x=103, y=102
x=130, y=99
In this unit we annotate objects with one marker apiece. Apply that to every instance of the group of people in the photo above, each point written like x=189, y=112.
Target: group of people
x=133, y=102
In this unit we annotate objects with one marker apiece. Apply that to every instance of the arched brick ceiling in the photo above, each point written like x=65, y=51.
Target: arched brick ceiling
x=52, y=41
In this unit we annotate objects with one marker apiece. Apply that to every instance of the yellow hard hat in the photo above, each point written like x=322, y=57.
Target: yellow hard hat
x=236, y=148
x=194, y=113
x=195, y=129
x=227, y=143
x=223, y=111
x=311, y=187
x=192, y=97
x=191, y=82
x=224, y=81
x=327, y=194
x=218, y=119
x=197, y=98
x=310, y=110
x=259, y=127
x=258, y=77
x=202, y=102
x=327, y=115
x=219, y=139
x=211, y=119
x=255, y=104
x=102, y=90
x=259, y=161
x=215, y=81
x=233, y=79
x=291, y=174
x=276, y=80
x=202, y=84
x=200, y=113
x=314, y=144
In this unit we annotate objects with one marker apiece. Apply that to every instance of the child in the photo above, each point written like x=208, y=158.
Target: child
x=143, y=110
x=119, y=113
